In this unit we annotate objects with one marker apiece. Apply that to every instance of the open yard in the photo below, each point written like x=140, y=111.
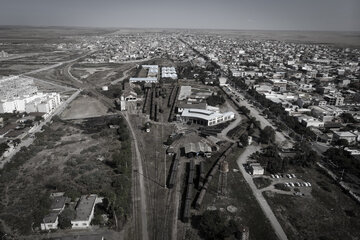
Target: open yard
x=84, y=106
x=75, y=157
x=328, y=214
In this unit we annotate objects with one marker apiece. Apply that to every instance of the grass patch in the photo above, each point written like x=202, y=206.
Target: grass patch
x=262, y=182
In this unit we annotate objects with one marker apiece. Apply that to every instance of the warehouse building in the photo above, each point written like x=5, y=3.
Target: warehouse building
x=205, y=117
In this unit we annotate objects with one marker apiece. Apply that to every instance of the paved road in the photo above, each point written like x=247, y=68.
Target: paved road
x=143, y=206
x=28, y=141
x=279, y=137
x=232, y=125
x=258, y=193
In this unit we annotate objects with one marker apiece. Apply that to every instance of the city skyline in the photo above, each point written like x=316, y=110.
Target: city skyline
x=319, y=15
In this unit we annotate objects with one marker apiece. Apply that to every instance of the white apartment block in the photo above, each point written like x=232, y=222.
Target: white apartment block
x=40, y=102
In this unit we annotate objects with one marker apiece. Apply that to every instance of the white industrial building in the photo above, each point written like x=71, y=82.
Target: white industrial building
x=205, y=117
x=148, y=79
x=168, y=72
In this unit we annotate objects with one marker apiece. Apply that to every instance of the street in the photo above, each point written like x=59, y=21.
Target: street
x=258, y=193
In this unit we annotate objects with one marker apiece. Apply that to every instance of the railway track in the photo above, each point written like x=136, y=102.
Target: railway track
x=135, y=181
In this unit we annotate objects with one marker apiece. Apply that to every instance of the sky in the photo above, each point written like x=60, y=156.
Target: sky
x=314, y=15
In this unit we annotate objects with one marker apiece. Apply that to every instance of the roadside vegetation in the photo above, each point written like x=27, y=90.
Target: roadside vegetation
x=75, y=157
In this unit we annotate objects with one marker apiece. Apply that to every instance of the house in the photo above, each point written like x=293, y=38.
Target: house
x=85, y=211
x=50, y=221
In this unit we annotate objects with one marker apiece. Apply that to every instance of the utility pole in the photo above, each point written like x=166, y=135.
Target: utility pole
x=342, y=174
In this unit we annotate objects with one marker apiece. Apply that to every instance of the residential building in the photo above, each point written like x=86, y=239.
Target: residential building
x=335, y=100
x=50, y=221
x=347, y=135
x=85, y=211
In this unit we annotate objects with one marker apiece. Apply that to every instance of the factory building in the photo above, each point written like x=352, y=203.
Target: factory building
x=205, y=117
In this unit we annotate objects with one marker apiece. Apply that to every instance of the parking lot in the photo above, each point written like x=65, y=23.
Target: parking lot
x=287, y=183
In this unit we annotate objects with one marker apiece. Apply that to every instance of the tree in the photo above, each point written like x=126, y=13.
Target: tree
x=213, y=225
x=138, y=91
x=65, y=218
x=305, y=156
x=3, y=147
x=267, y=135
x=215, y=100
x=342, y=142
x=244, y=139
x=347, y=118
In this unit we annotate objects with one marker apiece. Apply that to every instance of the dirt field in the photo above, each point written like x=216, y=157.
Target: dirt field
x=328, y=215
x=84, y=107
x=10, y=68
x=99, y=74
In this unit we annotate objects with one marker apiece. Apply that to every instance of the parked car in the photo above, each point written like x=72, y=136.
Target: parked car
x=288, y=175
x=293, y=175
x=272, y=176
x=309, y=184
x=277, y=176
x=292, y=184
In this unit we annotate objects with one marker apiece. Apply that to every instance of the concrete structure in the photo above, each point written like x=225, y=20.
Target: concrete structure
x=148, y=80
x=205, y=117
x=196, y=149
x=222, y=81
x=3, y=54
x=352, y=151
x=129, y=96
x=168, y=72
x=349, y=136
x=256, y=169
x=39, y=102
x=334, y=100
x=85, y=211
x=279, y=84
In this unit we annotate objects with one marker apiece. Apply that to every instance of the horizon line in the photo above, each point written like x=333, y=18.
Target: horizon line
x=171, y=28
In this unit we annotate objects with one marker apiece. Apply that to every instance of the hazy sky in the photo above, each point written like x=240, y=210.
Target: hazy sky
x=226, y=14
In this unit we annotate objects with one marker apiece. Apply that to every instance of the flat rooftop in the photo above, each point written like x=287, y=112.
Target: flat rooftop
x=84, y=207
